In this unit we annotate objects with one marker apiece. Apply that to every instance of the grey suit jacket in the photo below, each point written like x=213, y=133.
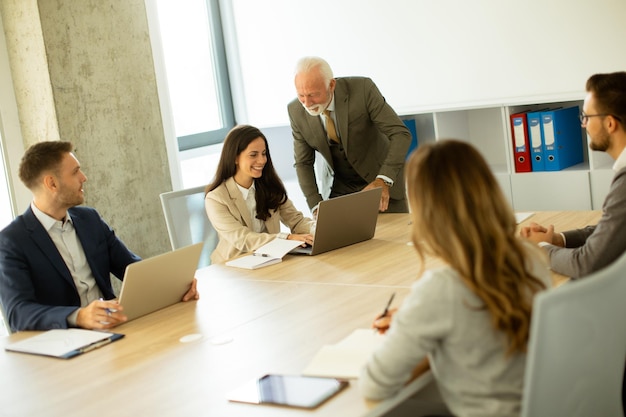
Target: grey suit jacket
x=374, y=138
x=595, y=247
x=231, y=218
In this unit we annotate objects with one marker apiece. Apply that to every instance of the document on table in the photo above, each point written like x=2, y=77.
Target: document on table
x=268, y=254
x=64, y=343
x=346, y=358
x=521, y=216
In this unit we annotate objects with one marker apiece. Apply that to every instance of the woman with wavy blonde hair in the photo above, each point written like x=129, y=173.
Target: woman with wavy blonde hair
x=471, y=317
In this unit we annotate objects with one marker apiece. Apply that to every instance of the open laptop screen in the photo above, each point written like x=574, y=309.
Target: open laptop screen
x=344, y=220
x=158, y=282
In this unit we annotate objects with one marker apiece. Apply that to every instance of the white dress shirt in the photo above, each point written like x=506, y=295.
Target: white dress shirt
x=64, y=237
x=248, y=194
x=620, y=162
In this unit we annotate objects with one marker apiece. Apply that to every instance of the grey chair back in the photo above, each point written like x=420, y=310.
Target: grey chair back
x=577, y=348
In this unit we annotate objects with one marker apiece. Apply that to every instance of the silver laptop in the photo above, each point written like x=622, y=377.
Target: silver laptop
x=158, y=282
x=343, y=221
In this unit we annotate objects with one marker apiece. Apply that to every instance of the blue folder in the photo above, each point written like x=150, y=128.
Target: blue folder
x=411, y=125
x=562, y=138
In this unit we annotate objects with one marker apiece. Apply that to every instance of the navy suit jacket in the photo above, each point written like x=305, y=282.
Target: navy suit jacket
x=36, y=288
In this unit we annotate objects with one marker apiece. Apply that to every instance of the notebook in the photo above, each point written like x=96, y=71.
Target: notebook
x=346, y=358
x=343, y=221
x=158, y=282
x=269, y=254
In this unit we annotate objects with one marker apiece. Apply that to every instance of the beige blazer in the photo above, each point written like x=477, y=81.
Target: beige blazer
x=232, y=220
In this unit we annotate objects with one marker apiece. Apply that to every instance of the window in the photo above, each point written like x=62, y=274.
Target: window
x=195, y=67
x=6, y=210
x=6, y=213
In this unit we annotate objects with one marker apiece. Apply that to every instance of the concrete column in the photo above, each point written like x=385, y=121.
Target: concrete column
x=83, y=72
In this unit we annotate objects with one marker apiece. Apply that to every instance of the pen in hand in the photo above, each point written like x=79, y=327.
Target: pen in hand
x=108, y=310
x=386, y=310
x=384, y=314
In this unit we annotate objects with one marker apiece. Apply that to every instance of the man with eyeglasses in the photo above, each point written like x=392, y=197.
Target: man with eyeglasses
x=577, y=253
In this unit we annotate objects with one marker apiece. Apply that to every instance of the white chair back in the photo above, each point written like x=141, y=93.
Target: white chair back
x=187, y=221
x=5, y=329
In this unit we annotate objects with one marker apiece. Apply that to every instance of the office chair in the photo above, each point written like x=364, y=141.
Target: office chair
x=577, y=348
x=5, y=329
x=187, y=222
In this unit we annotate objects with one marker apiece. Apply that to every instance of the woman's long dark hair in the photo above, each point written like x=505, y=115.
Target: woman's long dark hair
x=270, y=191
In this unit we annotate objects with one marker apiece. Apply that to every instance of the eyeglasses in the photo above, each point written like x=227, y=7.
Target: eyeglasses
x=585, y=117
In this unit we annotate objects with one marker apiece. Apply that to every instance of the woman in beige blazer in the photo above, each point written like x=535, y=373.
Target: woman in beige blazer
x=247, y=201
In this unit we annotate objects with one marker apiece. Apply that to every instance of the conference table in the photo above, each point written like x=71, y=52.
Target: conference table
x=247, y=323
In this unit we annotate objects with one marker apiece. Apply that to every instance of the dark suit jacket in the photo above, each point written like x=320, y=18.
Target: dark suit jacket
x=374, y=138
x=36, y=288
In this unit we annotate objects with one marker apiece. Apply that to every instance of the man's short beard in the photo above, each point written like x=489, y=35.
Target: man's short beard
x=601, y=143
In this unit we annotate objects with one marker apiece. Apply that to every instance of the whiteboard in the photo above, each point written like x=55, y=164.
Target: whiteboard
x=424, y=55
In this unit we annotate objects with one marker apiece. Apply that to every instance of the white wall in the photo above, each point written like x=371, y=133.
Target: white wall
x=427, y=55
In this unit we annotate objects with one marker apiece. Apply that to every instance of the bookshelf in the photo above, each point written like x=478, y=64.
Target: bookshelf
x=579, y=187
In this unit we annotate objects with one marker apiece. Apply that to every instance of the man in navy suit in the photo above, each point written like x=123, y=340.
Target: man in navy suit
x=56, y=258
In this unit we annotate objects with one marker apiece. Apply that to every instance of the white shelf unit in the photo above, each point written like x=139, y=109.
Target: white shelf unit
x=579, y=187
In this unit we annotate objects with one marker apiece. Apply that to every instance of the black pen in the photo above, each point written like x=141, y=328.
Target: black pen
x=386, y=310
x=95, y=345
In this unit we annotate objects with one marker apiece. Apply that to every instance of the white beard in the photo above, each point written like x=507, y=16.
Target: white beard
x=315, y=110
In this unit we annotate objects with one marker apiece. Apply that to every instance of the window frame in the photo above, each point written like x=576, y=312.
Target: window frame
x=222, y=79
x=220, y=74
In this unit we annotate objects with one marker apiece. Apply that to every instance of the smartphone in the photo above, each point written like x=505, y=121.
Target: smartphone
x=289, y=390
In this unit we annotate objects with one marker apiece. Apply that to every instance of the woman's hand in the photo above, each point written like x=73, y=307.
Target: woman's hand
x=382, y=323
x=306, y=238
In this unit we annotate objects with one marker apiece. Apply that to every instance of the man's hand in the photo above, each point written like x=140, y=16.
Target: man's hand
x=384, y=198
x=100, y=315
x=538, y=233
x=193, y=293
